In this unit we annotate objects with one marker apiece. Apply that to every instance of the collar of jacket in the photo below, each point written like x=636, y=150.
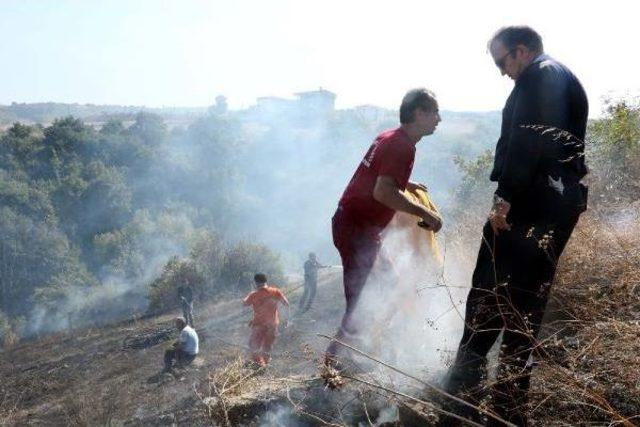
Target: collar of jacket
x=538, y=59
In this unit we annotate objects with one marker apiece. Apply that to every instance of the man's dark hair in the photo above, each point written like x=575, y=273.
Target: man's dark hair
x=416, y=98
x=515, y=35
x=260, y=278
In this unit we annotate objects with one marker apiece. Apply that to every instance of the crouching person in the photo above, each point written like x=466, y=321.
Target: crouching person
x=185, y=349
x=264, y=326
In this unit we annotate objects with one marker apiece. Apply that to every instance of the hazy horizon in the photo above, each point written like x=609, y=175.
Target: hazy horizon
x=237, y=109
x=168, y=54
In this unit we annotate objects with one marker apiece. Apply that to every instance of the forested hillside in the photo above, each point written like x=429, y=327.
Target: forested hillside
x=96, y=220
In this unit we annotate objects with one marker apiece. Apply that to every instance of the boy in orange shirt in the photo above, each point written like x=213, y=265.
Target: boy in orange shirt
x=264, y=326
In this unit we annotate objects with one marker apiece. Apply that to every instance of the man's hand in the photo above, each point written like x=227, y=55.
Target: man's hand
x=498, y=215
x=387, y=192
x=431, y=221
x=413, y=186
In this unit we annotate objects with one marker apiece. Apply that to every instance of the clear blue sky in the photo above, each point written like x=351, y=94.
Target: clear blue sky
x=184, y=53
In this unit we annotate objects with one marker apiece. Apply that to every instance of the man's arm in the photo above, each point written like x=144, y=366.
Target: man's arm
x=247, y=300
x=543, y=101
x=283, y=299
x=179, y=344
x=318, y=265
x=387, y=192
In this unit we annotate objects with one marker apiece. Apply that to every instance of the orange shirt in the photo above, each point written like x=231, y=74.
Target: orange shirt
x=265, y=305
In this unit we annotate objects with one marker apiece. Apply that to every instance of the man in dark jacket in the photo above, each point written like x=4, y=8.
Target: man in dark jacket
x=311, y=267
x=185, y=294
x=539, y=162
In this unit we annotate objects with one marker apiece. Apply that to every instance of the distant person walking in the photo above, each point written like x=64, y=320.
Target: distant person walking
x=536, y=206
x=311, y=267
x=185, y=294
x=185, y=349
x=264, y=325
x=372, y=197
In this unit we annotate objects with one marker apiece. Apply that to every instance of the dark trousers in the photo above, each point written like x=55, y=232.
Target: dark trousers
x=359, y=247
x=187, y=311
x=310, y=287
x=509, y=293
x=176, y=354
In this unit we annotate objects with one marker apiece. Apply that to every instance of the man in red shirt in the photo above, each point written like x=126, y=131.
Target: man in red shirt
x=264, y=326
x=373, y=195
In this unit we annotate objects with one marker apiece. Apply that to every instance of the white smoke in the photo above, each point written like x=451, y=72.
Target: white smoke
x=413, y=317
x=117, y=296
x=278, y=417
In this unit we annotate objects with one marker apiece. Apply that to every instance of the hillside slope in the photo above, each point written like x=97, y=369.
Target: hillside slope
x=586, y=374
x=112, y=374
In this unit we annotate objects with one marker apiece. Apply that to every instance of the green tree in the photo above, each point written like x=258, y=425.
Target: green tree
x=254, y=258
x=614, y=154
x=33, y=256
x=209, y=253
x=473, y=187
x=177, y=272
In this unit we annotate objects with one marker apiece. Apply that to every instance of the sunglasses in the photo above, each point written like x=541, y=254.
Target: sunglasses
x=501, y=62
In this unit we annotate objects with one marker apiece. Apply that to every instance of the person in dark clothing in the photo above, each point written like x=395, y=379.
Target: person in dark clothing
x=372, y=197
x=311, y=267
x=538, y=165
x=186, y=302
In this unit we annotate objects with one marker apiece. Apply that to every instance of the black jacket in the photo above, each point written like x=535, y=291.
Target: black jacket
x=546, y=93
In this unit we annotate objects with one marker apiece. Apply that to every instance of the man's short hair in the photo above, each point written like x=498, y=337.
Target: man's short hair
x=181, y=321
x=416, y=98
x=515, y=35
x=260, y=278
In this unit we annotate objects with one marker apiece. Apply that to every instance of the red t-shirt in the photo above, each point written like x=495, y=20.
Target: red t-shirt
x=391, y=154
x=265, y=305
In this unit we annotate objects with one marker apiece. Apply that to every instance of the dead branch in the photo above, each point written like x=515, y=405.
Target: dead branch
x=432, y=387
x=223, y=405
x=296, y=407
x=416, y=400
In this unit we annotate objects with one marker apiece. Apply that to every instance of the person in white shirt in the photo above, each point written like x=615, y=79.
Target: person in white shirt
x=185, y=349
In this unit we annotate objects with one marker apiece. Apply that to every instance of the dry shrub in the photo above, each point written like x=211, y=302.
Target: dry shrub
x=9, y=403
x=588, y=366
x=229, y=381
x=598, y=275
x=77, y=410
x=10, y=330
x=10, y=339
